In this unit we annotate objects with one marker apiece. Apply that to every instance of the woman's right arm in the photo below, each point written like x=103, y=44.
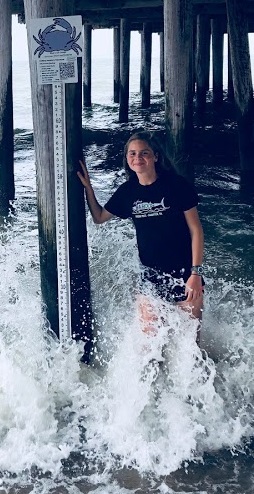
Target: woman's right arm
x=99, y=214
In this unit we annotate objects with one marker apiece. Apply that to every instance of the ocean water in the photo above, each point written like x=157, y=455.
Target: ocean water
x=126, y=425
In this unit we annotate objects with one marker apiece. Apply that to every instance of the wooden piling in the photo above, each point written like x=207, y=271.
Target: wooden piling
x=230, y=77
x=146, y=60
x=141, y=62
x=116, y=41
x=44, y=155
x=217, y=44
x=87, y=66
x=6, y=110
x=243, y=88
x=194, y=48
x=202, y=61
x=178, y=41
x=124, y=70
x=162, y=85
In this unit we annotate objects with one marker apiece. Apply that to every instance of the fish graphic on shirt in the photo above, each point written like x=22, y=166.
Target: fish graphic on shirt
x=146, y=208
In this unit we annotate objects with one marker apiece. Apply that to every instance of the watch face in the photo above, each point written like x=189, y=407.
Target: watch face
x=198, y=269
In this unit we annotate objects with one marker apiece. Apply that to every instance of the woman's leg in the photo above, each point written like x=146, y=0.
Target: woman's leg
x=147, y=314
x=168, y=289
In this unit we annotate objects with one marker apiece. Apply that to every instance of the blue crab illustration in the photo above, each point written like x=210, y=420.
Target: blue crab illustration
x=52, y=39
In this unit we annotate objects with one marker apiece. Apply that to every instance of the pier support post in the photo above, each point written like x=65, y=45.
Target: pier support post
x=87, y=66
x=141, y=62
x=124, y=70
x=243, y=88
x=162, y=75
x=202, y=61
x=217, y=44
x=178, y=49
x=6, y=109
x=44, y=154
x=230, y=76
x=146, y=60
x=116, y=41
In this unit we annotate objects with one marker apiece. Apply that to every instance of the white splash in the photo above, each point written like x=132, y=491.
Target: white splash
x=155, y=417
x=139, y=413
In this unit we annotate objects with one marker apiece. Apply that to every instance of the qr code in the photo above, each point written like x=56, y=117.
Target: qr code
x=67, y=70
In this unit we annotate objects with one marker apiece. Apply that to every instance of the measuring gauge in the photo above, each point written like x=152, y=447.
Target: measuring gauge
x=61, y=203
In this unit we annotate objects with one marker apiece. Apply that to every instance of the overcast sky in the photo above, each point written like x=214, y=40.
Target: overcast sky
x=102, y=42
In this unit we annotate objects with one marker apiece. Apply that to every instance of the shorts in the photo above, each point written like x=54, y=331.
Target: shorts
x=169, y=287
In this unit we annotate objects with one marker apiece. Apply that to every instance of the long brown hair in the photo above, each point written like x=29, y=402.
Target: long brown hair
x=152, y=142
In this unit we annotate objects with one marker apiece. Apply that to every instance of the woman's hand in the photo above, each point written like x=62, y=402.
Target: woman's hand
x=99, y=214
x=193, y=287
x=84, y=175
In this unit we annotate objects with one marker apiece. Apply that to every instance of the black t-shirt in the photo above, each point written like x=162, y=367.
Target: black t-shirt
x=157, y=211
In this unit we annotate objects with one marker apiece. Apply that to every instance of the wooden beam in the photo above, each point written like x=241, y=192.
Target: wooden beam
x=215, y=2
x=157, y=27
x=219, y=9
x=117, y=4
x=139, y=15
x=81, y=5
x=100, y=15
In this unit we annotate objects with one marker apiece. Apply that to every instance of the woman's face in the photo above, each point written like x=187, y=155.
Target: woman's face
x=141, y=158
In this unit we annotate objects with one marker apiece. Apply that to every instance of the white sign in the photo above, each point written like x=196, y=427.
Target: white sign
x=56, y=42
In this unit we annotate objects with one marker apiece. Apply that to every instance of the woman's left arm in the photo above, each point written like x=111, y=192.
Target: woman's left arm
x=194, y=283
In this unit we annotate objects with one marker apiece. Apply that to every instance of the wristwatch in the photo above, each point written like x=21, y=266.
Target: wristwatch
x=199, y=270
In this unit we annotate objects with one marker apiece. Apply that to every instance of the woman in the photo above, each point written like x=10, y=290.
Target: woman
x=163, y=207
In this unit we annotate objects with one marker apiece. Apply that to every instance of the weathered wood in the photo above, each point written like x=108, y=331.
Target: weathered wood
x=81, y=5
x=44, y=146
x=6, y=109
x=124, y=70
x=202, y=61
x=135, y=26
x=110, y=18
x=178, y=38
x=136, y=15
x=242, y=81
x=230, y=77
x=116, y=41
x=141, y=60
x=194, y=48
x=103, y=14
x=87, y=66
x=116, y=4
x=80, y=281
x=95, y=12
x=162, y=74
x=146, y=60
x=217, y=45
